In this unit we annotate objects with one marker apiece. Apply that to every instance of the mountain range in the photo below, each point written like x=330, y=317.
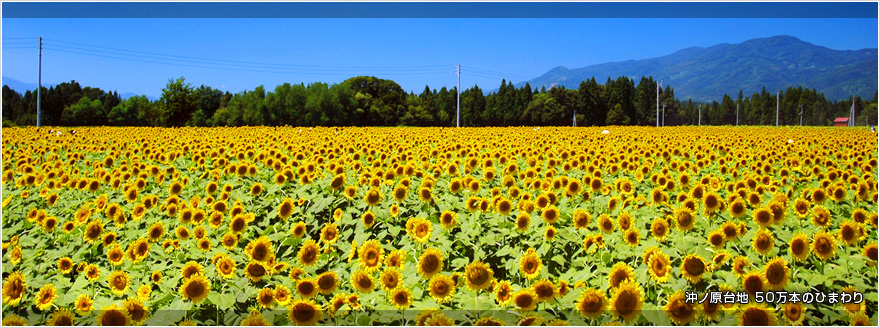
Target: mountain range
x=22, y=87
x=705, y=74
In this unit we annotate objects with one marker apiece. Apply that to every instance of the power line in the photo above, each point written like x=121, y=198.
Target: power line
x=493, y=72
x=288, y=71
x=248, y=62
x=10, y=48
x=260, y=66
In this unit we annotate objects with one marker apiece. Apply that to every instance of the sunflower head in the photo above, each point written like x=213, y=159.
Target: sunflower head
x=619, y=273
x=304, y=313
x=763, y=242
x=14, y=288
x=113, y=316
x=441, y=287
x=757, y=314
x=659, y=267
x=530, y=264
x=525, y=299
x=592, y=303
x=824, y=245
x=627, y=301
x=430, y=263
x=479, y=275
x=693, y=267
x=195, y=288
x=678, y=310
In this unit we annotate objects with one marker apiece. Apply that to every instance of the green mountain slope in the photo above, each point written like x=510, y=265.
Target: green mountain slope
x=708, y=73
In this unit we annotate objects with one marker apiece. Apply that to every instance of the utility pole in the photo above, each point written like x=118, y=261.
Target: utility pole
x=737, y=114
x=700, y=115
x=802, y=114
x=777, y=108
x=458, y=100
x=664, y=114
x=39, y=81
x=574, y=118
x=852, y=112
x=658, y=104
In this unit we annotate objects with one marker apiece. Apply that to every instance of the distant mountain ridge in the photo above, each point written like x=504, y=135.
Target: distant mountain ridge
x=22, y=87
x=705, y=74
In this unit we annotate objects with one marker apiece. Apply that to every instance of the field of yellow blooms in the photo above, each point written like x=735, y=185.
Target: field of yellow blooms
x=438, y=226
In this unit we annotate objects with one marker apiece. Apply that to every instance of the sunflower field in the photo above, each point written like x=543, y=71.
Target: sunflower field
x=438, y=226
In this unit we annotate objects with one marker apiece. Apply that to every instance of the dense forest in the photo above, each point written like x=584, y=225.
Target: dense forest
x=370, y=101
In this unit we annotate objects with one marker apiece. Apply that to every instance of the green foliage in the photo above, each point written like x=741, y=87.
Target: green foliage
x=370, y=101
x=178, y=102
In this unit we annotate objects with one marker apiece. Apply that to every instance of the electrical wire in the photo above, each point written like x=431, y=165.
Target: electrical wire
x=246, y=62
x=253, y=66
x=493, y=72
x=287, y=71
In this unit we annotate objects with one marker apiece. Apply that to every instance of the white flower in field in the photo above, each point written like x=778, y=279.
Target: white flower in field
x=790, y=141
x=605, y=132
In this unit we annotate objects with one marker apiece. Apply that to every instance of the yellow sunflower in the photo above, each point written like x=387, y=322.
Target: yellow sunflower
x=113, y=316
x=83, y=304
x=678, y=310
x=118, y=282
x=824, y=245
x=757, y=314
x=441, y=287
x=45, y=297
x=793, y=313
x=545, y=290
x=776, y=273
x=304, y=313
x=530, y=264
x=370, y=256
x=525, y=299
x=659, y=228
x=391, y=278
x=502, y=292
x=592, y=303
x=763, y=241
x=396, y=258
x=363, y=281
x=479, y=275
x=195, y=288
x=308, y=253
x=255, y=271
x=401, y=297
x=627, y=301
x=307, y=288
x=619, y=273
x=430, y=263
x=693, y=267
x=260, y=249
x=14, y=288
x=659, y=267
x=136, y=310
x=753, y=282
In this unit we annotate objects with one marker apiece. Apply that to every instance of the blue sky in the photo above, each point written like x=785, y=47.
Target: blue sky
x=411, y=51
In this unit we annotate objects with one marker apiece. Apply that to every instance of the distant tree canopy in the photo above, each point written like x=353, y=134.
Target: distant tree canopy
x=371, y=101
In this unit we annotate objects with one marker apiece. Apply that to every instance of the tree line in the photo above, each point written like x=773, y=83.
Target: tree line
x=371, y=101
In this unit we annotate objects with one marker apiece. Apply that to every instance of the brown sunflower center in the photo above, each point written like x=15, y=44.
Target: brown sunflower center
x=694, y=267
x=195, y=289
x=755, y=317
x=626, y=302
x=113, y=318
x=775, y=273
